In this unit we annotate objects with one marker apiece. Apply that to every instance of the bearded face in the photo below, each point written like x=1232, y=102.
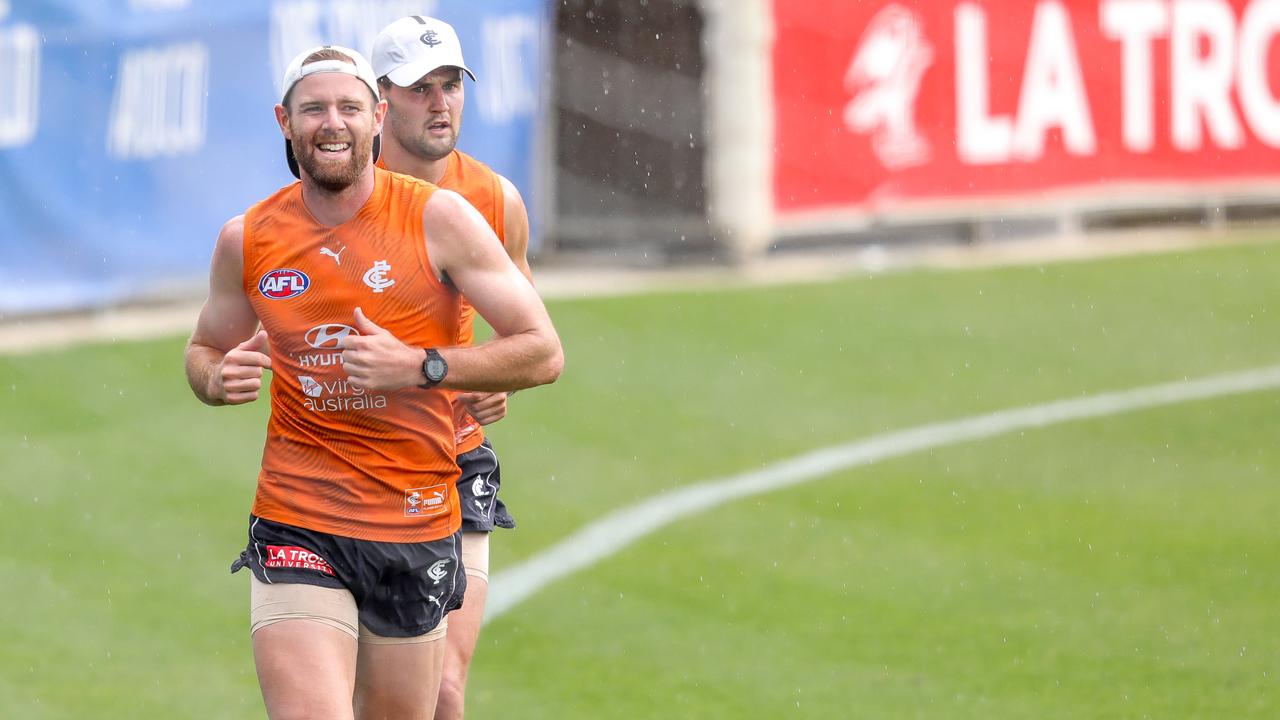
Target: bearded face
x=334, y=158
x=331, y=121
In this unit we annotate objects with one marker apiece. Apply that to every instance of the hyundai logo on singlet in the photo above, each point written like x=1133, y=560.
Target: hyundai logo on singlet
x=329, y=335
x=281, y=284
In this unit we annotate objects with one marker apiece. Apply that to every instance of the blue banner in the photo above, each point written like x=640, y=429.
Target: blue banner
x=131, y=130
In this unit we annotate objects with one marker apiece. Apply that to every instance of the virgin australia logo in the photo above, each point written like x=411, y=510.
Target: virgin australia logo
x=884, y=79
x=310, y=387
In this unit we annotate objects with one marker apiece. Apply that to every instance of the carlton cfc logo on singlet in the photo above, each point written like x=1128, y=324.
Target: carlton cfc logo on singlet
x=283, y=283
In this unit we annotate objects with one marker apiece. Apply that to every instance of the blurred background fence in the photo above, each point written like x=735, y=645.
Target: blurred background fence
x=654, y=131
x=130, y=130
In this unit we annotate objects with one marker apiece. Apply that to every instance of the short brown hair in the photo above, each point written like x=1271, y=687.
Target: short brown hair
x=324, y=53
x=328, y=53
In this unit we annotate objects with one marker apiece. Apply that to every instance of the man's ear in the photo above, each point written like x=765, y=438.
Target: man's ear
x=379, y=115
x=282, y=119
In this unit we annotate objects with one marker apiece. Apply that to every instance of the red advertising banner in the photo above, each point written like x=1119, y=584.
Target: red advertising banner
x=880, y=104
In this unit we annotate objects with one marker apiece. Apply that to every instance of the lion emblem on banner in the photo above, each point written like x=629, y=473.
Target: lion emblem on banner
x=884, y=80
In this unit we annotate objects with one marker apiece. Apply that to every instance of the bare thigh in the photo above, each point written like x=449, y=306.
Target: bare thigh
x=464, y=623
x=464, y=627
x=398, y=679
x=306, y=659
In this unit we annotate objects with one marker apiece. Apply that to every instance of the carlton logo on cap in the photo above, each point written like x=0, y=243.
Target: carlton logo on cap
x=413, y=46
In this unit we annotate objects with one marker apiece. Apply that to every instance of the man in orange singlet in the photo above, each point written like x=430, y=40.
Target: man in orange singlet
x=419, y=65
x=356, y=276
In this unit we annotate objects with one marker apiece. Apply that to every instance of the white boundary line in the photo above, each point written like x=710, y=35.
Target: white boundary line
x=619, y=529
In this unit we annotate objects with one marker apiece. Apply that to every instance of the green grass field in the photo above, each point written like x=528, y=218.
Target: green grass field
x=1122, y=567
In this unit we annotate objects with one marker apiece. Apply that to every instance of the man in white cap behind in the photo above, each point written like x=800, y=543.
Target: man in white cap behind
x=353, y=536
x=419, y=65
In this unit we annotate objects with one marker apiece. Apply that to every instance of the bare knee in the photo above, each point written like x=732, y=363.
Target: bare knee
x=453, y=691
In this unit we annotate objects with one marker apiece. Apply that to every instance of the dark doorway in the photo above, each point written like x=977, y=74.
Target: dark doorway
x=629, y=128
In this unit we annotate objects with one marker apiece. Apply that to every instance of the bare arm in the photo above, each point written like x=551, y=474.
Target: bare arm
x=525, y=350
x=485, y=407
x=224, y=358
x=515, y=226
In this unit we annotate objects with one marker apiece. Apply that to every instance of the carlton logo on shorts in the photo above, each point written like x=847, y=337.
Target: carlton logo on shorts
x=294, y=557
x=438, y=571
x=426, y=502
x=283, y=283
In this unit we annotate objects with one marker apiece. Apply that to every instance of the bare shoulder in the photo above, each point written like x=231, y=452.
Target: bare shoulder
x=447, y=211
x=233, y=228
x=231, y=239
x=511, y=194
x=515, y=227
x=455, y=231
x=443, y=203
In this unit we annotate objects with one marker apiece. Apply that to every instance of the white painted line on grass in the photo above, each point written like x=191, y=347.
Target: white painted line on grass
x=615, y=531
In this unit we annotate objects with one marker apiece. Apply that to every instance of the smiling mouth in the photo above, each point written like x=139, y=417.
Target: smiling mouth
x=334, y=147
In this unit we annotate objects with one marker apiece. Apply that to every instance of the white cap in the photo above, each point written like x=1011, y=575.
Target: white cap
x=413, y=46
x=296, y=70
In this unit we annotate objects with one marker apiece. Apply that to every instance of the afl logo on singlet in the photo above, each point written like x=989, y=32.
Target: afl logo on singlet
x=283, y=284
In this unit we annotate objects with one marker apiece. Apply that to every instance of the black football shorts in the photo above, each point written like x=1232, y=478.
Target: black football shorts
x=401, y=589
x=478, y=483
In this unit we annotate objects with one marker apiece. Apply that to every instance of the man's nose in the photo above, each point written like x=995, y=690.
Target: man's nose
x=333, y=118
x=437, y=100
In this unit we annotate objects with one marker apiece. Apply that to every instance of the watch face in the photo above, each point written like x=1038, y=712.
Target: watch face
x=435, y=369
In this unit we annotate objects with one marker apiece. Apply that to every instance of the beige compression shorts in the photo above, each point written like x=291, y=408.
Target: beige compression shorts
x=475, y=555
x=335, y=607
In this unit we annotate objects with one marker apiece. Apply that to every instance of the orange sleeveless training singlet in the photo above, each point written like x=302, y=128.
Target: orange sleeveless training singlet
x=480, y=185
x=375, y=465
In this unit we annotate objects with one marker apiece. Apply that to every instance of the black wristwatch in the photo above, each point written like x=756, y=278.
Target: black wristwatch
x=434, y=368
